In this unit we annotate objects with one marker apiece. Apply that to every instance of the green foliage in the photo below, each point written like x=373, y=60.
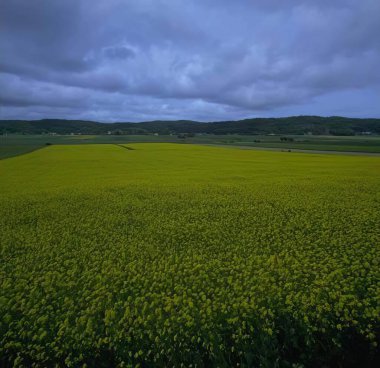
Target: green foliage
x=177, y=255
x=334, y=125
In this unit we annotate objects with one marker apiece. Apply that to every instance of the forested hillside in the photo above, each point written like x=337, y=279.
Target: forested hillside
x=289, y=125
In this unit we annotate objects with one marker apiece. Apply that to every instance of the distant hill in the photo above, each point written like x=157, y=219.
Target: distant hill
x=334, y=125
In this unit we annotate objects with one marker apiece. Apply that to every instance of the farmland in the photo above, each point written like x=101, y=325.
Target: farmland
x=162, y=255
x=16, y=144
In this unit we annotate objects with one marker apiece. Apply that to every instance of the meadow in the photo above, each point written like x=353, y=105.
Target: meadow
x=170, y=255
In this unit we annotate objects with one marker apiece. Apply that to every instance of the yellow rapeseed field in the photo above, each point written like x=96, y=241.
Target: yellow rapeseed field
x=169, y=255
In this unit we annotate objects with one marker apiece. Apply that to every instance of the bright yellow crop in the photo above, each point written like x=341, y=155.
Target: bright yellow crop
x=167, y=254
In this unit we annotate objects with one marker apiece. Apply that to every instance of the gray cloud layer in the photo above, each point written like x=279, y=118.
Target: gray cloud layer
x=200, y=59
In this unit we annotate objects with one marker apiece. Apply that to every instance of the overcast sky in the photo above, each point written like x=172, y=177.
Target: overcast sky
x=135, y=60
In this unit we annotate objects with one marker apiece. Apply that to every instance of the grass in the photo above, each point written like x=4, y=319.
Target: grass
x=17, y=145
x=319, y=143
x=169, y=254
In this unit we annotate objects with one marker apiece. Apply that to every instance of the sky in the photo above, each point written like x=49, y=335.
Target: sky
x=206, y=60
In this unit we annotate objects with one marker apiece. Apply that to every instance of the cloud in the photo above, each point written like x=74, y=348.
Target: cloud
x=143, y=59
x=118, y=52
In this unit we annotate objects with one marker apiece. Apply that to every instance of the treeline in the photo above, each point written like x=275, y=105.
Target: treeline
x=316, y=125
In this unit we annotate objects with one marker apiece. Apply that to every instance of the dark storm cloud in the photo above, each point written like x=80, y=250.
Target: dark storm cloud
x=119, y=52
x=207, y=60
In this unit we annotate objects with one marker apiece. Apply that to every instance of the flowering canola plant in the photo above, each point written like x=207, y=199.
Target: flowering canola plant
x=170, y=255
